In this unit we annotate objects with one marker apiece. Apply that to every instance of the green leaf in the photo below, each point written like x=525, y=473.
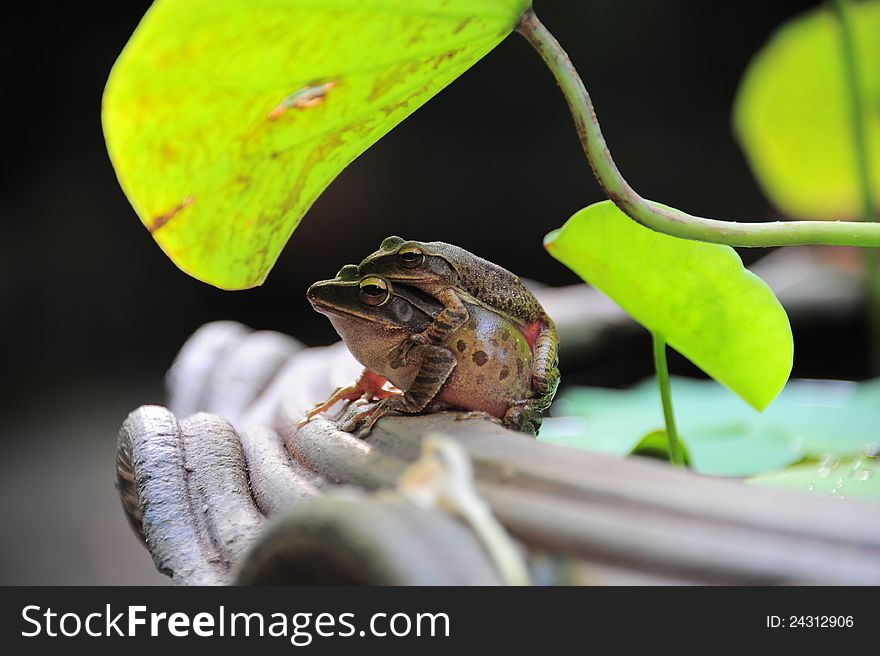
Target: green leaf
x=696, y=295
x=226, y=119
x=793, y=118
x=656, y=445
x=851, y=478
x=725, y=437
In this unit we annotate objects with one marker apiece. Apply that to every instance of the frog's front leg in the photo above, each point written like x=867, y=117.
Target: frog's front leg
x=448, y=320
x=437, y=364
x=369, y=386
x=545, y=365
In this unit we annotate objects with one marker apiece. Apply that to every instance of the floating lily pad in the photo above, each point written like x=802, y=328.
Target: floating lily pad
x=848, y=478
x=810, y=419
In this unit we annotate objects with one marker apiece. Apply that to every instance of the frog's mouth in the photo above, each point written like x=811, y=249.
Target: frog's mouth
x=335, y=299
x=350, y=313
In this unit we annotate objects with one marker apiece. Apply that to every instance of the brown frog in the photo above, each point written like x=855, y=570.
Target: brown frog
x=461, y=280
x=484, y=365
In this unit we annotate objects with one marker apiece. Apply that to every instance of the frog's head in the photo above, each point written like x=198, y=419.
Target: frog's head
x=360, y=307
x=409, y=261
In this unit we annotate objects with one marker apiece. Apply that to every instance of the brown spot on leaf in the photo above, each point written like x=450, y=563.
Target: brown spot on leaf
x=505, y=372
x=463, y=24
x=387, y=80
x=461, y=346
x=480, y=358
x=505, y=335
x=310, y=95
x=162, y=219
x=519, y=367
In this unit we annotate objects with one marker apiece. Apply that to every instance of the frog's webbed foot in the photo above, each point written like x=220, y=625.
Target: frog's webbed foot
x=531, y=412
x=361, y=422
x=368, y=387
x=526, y=416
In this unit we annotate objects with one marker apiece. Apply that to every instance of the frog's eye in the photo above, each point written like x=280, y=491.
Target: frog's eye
x=410, y=257
x=374, y=291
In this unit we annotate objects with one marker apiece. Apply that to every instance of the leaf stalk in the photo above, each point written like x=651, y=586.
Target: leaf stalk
x=676, y=453
x=660, y=217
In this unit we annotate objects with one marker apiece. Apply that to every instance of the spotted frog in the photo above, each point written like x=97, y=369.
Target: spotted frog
x=484, y=365
x=462, y=281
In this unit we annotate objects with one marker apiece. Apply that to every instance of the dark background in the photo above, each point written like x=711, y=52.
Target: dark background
x=93, y=312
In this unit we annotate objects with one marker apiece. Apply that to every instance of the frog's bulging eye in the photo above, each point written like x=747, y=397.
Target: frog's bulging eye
x=374, y=291
x=410, y=257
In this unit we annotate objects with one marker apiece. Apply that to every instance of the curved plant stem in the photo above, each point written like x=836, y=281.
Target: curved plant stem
x=676, y=455
x=863, y=168
x=666, y=219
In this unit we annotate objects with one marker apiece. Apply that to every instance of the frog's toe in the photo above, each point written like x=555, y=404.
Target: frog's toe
x=476, y=414
x=352, y=422
x=320, y=408
x=523, y=417
x=400, y=353
x=359, y=420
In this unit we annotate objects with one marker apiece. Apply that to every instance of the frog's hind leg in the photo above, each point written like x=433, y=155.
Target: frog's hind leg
x=527, y=415
x=545, y=367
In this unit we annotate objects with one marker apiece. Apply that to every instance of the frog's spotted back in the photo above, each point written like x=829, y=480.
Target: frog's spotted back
x=490, y=284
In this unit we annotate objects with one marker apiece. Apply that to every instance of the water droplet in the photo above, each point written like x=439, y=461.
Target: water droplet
x=827, y=465
x=863, y=475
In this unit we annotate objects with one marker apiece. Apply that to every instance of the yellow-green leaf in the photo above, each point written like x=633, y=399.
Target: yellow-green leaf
x=697, y=295
x=225, y=119
x=792, y=113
